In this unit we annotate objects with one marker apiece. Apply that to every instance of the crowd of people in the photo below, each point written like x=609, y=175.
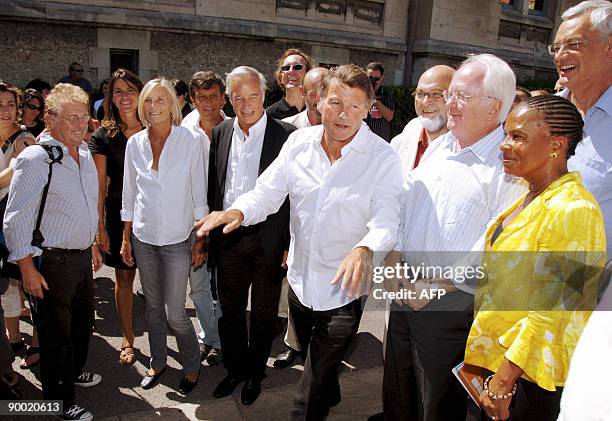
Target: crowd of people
x=291, y=209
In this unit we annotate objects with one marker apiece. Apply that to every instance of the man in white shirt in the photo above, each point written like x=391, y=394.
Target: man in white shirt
x=448, y=200
x=343, y=184
x=207, y=93
x=430, y=122
x=241, y=149
x=309, y=117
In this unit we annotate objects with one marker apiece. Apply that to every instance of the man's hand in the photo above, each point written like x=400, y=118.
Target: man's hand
x=126, y=252
x=96, y=258
x=231, y=218
x=355, y=270
x=284, y=259
x=33, y=282
x=198, y=253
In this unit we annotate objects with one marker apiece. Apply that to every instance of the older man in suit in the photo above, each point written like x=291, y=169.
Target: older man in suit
x=241, y=149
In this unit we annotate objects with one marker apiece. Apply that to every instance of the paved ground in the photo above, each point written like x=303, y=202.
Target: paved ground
x=120, y=398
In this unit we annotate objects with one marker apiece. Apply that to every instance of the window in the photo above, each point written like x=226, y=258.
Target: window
x=537, y=7
x=126, y=59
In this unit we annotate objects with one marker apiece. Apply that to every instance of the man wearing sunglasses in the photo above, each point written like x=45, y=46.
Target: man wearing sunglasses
x=75, y=77
x=430, y=122
x=380, y=115
x=291, y=70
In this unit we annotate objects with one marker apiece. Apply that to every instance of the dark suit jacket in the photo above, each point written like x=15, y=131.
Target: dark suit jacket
x=274, y=231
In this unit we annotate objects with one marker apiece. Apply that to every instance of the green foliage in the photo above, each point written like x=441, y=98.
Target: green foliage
x=404, y=108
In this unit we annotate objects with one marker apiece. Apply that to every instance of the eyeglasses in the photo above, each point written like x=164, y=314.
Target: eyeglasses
x=432, y=95
x=461, y=97
x=73, y=119
x=33, y=107
x=374, y=79
x=77, y=70
x=296, y=67
x=573, y=45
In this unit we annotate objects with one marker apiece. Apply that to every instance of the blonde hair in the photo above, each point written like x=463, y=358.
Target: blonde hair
x=175, y=110
x=62, y=94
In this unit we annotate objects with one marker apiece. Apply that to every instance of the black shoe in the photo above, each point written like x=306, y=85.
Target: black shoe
x=250, y=391
x=150, y=381
x=226, y=387
x=185, y=386
x=285, y=359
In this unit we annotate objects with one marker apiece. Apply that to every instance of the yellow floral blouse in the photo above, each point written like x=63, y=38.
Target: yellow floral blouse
x=542, y=276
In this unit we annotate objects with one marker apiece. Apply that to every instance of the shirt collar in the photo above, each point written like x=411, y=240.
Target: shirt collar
x=359, y=143
x=256, y=130
x=483, y=148
x=604, y=102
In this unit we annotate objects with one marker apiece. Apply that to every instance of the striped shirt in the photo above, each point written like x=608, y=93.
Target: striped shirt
x=451, y=197
x=70, y=219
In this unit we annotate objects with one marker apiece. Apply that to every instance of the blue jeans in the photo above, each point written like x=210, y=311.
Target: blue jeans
x=201, y=295
x=163, y=274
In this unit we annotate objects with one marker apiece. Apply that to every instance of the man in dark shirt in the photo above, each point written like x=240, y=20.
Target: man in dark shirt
x=380, y=115
x=292, y=67
x=75, y=77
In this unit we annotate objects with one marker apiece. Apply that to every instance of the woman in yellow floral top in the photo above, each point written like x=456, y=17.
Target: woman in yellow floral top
x=544, y=257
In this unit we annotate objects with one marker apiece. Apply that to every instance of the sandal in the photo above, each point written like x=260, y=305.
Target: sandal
x=26, y=361
x=127, y=355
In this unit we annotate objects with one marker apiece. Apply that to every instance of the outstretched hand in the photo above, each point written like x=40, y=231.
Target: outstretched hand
x=355, y=270
x=231, y=218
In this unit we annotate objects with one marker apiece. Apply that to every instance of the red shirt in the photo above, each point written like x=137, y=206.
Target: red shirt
x=421, y=147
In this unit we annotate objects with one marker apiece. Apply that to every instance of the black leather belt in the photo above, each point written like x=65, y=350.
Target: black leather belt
x=65, y=251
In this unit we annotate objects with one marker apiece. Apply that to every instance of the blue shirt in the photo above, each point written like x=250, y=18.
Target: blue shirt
x=594, y=157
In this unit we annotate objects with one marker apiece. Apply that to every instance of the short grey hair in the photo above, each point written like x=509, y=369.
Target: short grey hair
x=499, y=80
x=601, y=15
x=62, y=94
x=177, y=117
x=242, y=72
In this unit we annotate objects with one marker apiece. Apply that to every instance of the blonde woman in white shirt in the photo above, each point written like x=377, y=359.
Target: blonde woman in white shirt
x=164, y=192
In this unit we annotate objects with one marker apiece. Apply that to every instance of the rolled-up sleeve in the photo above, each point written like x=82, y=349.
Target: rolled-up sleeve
x=383, y=226
x=128, y=195
x=199, y=180
x=27, y=184
x=269, y=193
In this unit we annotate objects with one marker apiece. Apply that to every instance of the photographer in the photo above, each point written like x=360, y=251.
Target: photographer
x=380, y=115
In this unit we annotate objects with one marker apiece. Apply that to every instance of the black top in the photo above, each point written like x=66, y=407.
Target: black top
x=36, y=129
x=187, y=108
x=375, y=120
x=114, y=150
x=281, y=109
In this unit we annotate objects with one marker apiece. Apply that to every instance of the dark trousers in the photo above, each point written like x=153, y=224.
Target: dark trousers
x=422, y=348
x=324, y=337
x=242, y=264
x=64, y=318
x=532, y=403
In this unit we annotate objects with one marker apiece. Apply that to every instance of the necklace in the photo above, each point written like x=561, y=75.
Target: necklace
x=532, y=195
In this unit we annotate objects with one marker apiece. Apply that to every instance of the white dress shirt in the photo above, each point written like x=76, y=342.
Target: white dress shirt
x=406, y=144
x=299, y=121
x=450, y=198
x=192, y=122
x=334, y=208
x=163, y=205
x=243, y=161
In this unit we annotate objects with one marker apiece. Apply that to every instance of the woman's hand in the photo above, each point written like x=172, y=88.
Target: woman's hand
x=103, y=240
x=126, y=252
x=496, y=409
x=501, y=383
x=96, y=258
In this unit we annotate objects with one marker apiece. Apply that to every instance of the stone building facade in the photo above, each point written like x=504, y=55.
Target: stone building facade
x=177, y=37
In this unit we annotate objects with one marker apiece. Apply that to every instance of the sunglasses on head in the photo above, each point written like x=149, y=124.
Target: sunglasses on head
x=33, y=107
x=288, y=67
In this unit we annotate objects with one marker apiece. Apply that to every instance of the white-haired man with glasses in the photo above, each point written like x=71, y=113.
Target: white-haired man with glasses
x=582, y=52
x=458, y=187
